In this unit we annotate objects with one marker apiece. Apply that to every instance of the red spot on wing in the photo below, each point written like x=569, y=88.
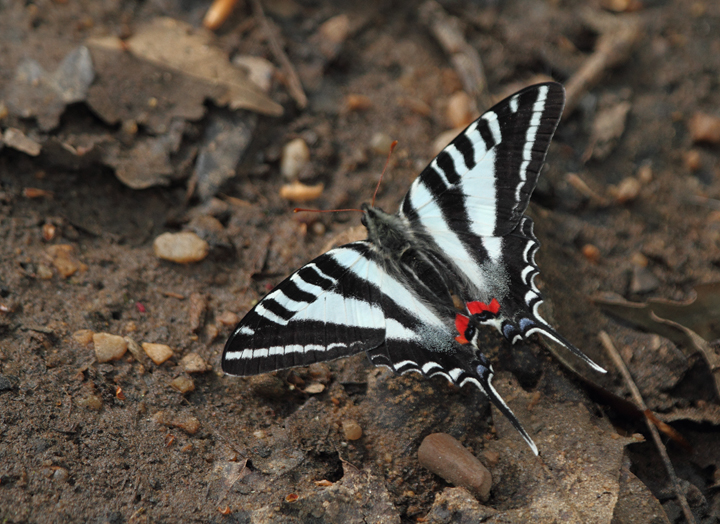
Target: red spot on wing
x=478, y=307
x=461, y=324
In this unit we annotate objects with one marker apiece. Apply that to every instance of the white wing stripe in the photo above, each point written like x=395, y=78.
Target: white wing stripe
x=491, y=118
x=264, y=312
x=538, y=107
x=448, y=241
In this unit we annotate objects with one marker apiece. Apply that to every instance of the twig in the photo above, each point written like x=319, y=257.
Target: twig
x=620, y=364
x=464, y=57
x=292, y=80
x=617, y=38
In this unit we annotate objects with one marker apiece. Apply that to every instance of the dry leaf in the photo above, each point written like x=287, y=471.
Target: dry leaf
x=175, y=44
x=689, y=324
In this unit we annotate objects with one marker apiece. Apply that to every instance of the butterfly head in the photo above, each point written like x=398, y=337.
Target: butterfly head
x=480, y=314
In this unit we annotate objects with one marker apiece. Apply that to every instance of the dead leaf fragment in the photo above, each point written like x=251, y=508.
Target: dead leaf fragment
x=704, y=128
x=175, y=44
x=37, y=93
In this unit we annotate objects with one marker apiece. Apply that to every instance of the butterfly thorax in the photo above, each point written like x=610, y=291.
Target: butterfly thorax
x=387, y=232
x=407, y=257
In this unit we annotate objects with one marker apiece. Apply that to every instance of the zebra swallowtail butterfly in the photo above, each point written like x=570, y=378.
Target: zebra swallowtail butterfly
x=460, y=231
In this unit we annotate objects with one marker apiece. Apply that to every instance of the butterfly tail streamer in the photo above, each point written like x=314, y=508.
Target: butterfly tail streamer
x=550, y=333
x=483, y=380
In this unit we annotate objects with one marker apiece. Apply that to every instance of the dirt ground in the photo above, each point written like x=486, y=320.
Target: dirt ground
x=104, y=151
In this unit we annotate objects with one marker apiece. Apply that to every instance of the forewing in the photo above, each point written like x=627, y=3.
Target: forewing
x=481, y=183
x=327, y=309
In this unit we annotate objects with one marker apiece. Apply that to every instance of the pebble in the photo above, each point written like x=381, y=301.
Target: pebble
x=108, y=347
x=314, y=388
x=16, y=139
x=627, y=190
x=43, y=272
x=351, y=429
x=60, y=474
x=298, y=192
x=380, y=143
x=228, y=318
x=459, y=109
x=158, y=353
x=187, y=423
x=193, y=363
x=196, y=311
x=295, y=156
x=64, y=260
x=591, y=252
x=184, y=247
x=90, y=401
x=446, y=457
x=693, y=160
x=183, y=384
x=267, y=386
x=83, y=337
x=357, y=102
x=704, y=128
x=643, y=280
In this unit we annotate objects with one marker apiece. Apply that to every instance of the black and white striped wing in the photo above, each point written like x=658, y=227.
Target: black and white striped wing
x=343, y=302
x=327, y=309
x=468, y=205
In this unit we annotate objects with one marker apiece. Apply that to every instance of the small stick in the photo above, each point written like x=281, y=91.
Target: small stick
x=464, y=57
x=620, y=364
x=617, y=38
x=292, y=80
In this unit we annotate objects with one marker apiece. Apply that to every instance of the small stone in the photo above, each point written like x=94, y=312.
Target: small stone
x=643, y=281
x=183, y=384
x=645, y=173
x=43, y=272
x=380, y=143
x=332, y=34
x=704, y=128
x=314, y=388
x=16, y=139
x=60, y=475
x=268, y=386
x=447, y=458
x=228, y=318
x=592, y=253
x=295, y=156
x=187, y=423
x=627, y=190
x=158, y=353
x=83, y=337
x=196, y=311
x=357, y=102
x=108, y=347
x=298, y=192
x=692, y=160
x=184, y=247
x=460, y=109
x=64, y=260
x=193, y=363
x=90, y=401
x=351, y=429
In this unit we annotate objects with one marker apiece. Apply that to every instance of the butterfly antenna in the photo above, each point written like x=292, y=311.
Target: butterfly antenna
x=392, y=147
x=304, y=210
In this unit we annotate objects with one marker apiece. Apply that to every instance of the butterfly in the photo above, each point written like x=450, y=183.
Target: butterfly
x=460, y=232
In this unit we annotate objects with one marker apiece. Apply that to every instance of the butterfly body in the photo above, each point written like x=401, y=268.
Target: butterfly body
x=459, y=232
